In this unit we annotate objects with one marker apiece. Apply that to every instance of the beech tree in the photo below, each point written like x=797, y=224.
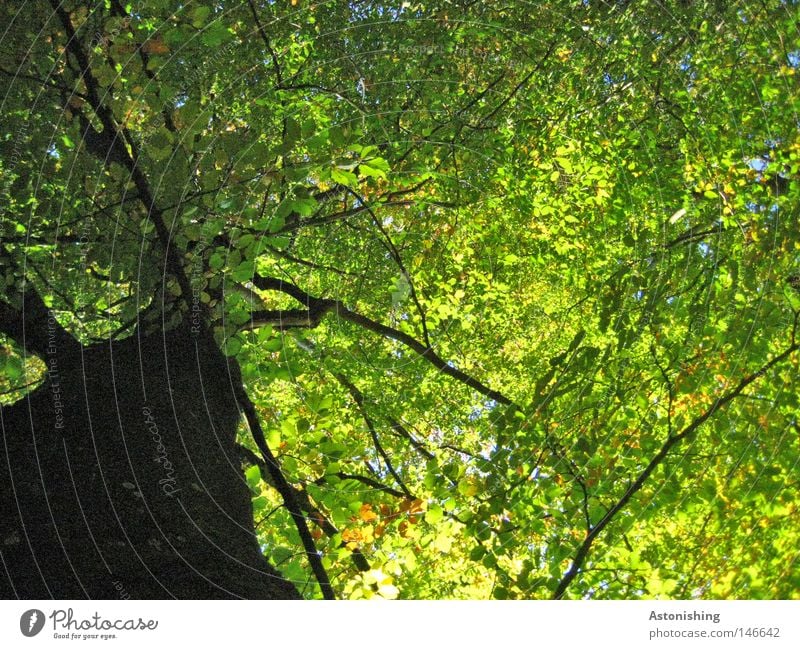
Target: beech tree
x=414, y=299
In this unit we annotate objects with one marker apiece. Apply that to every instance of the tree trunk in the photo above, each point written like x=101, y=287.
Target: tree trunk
x=119, y=476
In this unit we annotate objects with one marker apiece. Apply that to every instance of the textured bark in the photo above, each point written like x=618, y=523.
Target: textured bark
x=119, y=475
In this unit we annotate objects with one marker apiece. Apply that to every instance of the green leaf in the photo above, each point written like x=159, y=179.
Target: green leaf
x=260, y=504
x=244, y=271
x=253, y=476
x=346, y=178
x=232, y=347
x=215, y=34
x=792, y=296
x=216, y=261
x=199, y=15
x=366, y=171
x=434, y=514
x=304, y=206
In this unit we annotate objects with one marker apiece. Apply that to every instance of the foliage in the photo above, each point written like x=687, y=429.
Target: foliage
x=513, y=287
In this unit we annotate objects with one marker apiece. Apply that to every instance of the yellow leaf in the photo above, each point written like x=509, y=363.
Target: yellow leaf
x=443, y=543
x=388, y=591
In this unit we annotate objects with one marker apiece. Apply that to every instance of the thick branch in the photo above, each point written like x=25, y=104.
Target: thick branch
x=314, y=514
x=285, y=318
x=324, y=305
x=128, y=160
x=286, y=491
x=173, y=265
x=690, y=429
x=34, y=327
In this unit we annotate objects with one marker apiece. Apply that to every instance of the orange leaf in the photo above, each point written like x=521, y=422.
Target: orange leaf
x=366, y=514
x=351, y=536
x=155, y=46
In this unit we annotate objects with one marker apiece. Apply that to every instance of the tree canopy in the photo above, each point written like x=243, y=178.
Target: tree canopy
x=509, y=292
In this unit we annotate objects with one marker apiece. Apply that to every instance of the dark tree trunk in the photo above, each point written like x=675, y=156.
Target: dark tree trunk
x=119, y=477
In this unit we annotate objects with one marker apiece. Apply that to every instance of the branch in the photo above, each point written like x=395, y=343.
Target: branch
x=42, y=82
x=370, y=483
x=395, y=254
x=695, y=234
x=670, y=389
x=286, y=490
x=721, y=402
x=328, y=91
x=457, y=114
x=246, y=455
x=34, y=327
x=128, y=160
x=309, y=264
x=420, y=448
x=358, y=397
x=339, y=216
x=516, y=88
x=173, y=265
x=267, y=44
x=144, y=57
x=325, y=305
x=285, y=318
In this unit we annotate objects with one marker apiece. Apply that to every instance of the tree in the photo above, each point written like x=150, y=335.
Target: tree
x=425, y=300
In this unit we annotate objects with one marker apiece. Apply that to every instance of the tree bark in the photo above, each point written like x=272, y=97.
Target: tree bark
x=120, y=476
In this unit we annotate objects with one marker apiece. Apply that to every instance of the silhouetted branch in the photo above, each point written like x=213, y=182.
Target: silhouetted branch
x=690, y=429
x=34, y=327
x=286, y=491
x=358, y=397
x=314, y=514
x=323, y=306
